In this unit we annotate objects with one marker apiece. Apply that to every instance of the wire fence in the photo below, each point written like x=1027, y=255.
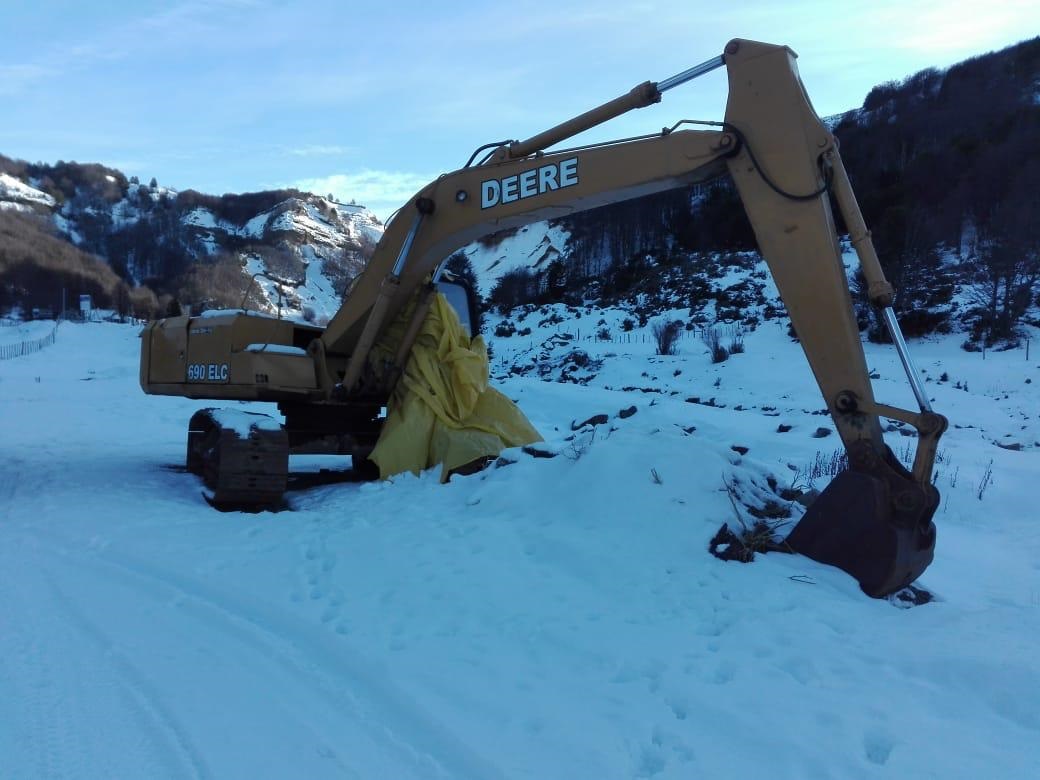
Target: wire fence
x=723, y=330
x=19, y=348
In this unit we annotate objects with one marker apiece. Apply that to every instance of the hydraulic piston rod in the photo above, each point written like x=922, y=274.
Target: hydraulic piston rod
x=641, y=96
x=691, y=73
x=892, y=324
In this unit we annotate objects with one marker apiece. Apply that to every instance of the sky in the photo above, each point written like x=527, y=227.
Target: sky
x=370, y=101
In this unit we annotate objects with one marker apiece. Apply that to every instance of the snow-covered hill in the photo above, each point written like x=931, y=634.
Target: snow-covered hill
x=548, y=618
x=330, y=243
x=154, y=234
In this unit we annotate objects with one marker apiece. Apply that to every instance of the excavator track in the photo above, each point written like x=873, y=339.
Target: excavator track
x=242, y=457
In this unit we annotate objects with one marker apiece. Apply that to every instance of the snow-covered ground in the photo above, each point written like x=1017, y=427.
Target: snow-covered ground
x=550, y=618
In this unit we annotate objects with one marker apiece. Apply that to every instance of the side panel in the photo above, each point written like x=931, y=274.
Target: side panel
x=164, y=347
x=229, y=357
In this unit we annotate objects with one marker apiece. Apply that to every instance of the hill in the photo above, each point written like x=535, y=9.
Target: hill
x=198, y=249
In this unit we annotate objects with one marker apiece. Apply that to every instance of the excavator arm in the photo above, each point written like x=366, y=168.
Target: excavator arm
x=873, y=521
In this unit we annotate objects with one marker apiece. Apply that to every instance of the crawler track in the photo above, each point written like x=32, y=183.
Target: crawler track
x=245, y=463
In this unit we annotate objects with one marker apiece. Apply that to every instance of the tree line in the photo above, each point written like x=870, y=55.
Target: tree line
x=944, y=164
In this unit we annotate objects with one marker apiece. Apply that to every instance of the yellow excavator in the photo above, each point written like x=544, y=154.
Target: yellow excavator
x=874, y=520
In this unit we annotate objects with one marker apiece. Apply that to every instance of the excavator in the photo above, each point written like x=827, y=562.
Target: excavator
x=873, y=520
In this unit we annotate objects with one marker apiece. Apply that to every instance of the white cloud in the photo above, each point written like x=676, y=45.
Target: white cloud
x=382, y=192
x=320, y=150
x=957, y=27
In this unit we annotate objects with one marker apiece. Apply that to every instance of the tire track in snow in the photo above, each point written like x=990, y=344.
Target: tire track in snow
x=27, y=676
x=245, y=668
x=67, y=688
x=164, y=724
x=322, y=663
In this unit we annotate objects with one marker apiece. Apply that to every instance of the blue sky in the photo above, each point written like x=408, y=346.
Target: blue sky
x=371, y=100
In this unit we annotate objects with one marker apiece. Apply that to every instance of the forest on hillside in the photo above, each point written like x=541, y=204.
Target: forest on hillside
x=137, y=248
x=944, y=164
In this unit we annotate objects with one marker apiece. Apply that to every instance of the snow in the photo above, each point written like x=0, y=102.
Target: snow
x=214, y=313
x=63, y=225
x=255, y=227
x=14, y=331
x=203, y=218
x=282, y=304
x=200, y=217
x=24, y=208
x=310, y=223
x=278, y=349
x=242, y=422
x=550, y=618
x=12, y=189
x=124, y=213
x=532, y=247
x=318, y=292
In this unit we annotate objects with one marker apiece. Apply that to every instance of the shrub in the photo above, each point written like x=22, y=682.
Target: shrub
x=666, y=334
x=711, y=339
x=736, y=340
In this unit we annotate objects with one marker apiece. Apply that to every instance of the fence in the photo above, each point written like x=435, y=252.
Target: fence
x=8, y=351
x=724, y=329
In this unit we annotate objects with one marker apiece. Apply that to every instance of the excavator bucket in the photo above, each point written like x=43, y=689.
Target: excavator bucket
x=854, y=524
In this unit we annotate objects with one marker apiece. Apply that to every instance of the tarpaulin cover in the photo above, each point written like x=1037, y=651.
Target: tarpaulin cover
x=442, y=410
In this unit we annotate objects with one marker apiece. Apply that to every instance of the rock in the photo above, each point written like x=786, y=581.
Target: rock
x=624, y=414
x=822, y=433
x=782, y=428
x=539, y=450
x=596, y=419
x=738, y=448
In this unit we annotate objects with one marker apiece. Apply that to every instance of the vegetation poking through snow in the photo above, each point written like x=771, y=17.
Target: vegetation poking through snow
x=666, y=334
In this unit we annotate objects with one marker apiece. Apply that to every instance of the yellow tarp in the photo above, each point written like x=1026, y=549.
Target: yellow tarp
x=443, y=411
